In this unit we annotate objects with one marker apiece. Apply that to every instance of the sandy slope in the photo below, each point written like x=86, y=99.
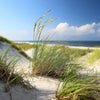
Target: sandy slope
x=18, y=92
x=23, y=64
x=90, y=69
x=45, y=87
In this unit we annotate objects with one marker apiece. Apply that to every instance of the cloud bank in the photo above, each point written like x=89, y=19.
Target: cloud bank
x=65, y=31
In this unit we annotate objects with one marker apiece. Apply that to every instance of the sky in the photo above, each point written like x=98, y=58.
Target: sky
x=76, y=19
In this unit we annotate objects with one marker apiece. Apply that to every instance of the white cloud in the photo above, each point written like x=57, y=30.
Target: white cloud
x=85, y=29
x=64, y=28
x=70, y=32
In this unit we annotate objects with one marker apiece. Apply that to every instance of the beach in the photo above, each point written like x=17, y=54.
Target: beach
x=43, y=88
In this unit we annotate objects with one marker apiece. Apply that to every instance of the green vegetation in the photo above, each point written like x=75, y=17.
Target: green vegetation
x=77, y=87
x=43, y=58
x=78, y=52
x=94, y=56
x=51, y=61
x=25, y=46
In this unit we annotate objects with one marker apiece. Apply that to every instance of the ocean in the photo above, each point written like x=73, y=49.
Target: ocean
x=70, y=43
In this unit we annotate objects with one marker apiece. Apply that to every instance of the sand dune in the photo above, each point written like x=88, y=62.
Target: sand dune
x=45, y=87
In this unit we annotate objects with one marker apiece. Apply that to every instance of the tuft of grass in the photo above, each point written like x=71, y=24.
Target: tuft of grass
x=77, y=87
x=51, y=61
x=94, y=56
x=43, y=57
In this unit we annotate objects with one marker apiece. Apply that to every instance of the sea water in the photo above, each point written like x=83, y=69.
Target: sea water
x=70, y=43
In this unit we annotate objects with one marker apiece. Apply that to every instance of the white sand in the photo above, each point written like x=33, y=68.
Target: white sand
x=18, y=92
x=79, y=47
x=46, y=87
x=30, y=52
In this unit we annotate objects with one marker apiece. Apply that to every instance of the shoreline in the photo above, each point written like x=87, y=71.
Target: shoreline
x=74, y=47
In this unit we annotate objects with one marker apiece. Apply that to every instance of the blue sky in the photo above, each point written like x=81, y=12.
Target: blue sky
x=76, y=19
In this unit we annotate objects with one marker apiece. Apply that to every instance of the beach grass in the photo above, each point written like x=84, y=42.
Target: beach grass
x=77, y=87
x=43, y=57
x=51, y=61
x=80, y=89
x=94, y=56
